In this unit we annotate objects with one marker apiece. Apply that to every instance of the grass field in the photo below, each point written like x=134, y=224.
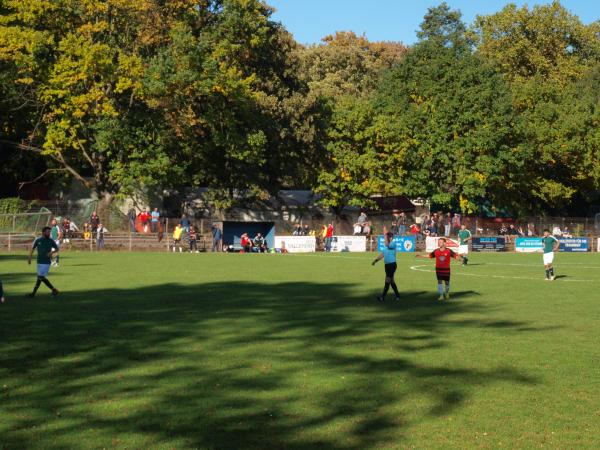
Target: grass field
x=149, y=350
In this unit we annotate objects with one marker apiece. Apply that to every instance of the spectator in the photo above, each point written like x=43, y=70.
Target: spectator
x=448, y=225
x=177, y=233
x=131, y=215
x=441, y=223
x=329, y=237
x=401, y=222
x=367, y=228
x=456, y=222
x=100, y=230
x=362, y=220
x=415, y=230
x=155, y=217
x=306, y=230
x=185, y=223
x=531, y=229
x=259, y=243
x=94, y=221
x=556, y=232
x=246, y=243
x=297, y=230
x=66, y=230
x=566, y=233
x=503, y=230
x=87, y=231
x=394, y=228
x=217, y=235
x=193, y=239
x=357, y=229
x=72, y=229
x=144, y=218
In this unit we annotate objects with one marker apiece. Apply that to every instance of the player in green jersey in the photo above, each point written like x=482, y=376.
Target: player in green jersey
x=46, y=248
x=464, y=236
x=551, y=245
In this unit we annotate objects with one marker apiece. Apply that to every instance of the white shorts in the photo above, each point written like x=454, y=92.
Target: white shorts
x=548, y=258
x=463, y=249
x=43, y=269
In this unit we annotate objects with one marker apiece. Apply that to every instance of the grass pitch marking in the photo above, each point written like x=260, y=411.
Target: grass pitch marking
x=419, y=268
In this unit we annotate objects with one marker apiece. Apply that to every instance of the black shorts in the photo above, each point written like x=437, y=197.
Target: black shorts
x=442, y=274
x=390, y=270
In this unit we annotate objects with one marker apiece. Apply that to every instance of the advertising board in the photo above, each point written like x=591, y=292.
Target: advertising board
x=528, y=245
x=296, y=244
x=349, y=244
x=431, y=243
x=404, y=244
x=488, y=244
x=574, y=244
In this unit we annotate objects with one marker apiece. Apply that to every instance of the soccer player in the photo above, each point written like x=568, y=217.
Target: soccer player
x=45, y=248
x=442, y=257
x=56, y=235
x=551, y=245
x=464, y=236
x=388, y=254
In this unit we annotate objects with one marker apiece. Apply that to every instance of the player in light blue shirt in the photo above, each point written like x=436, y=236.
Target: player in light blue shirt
x=388, y=254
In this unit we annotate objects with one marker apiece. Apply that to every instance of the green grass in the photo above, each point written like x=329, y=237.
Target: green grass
x=168, y=351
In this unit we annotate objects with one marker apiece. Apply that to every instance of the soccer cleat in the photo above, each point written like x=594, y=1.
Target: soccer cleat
x=379, y=298
x=397, y=298
x=55, y=292
x=1, y=299
x=30, y=295
x=447, y=296
x=441, y=298
x=552, y=278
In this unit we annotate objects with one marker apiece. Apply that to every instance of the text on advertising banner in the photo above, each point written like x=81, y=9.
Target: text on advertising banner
x=431, y=243
x=574, y=244
x=297, y=244
x=528, y=245
x=404, y=244
x=349, y=244
x=488, y=244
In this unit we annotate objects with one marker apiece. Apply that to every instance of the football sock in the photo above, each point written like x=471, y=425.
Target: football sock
x=440, y=289
x=386, y=287
x=466, y=260
x=395, y=288
x=57, y=258
x=547, y=273
x=551, y=271
x=37, y=285
x=447, y=287
x=47, y=282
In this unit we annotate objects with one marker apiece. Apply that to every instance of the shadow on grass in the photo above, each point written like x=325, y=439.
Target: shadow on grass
x=217, y=365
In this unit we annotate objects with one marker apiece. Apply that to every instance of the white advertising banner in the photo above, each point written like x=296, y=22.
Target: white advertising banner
x=431, y=243
x=598, y=245
x=349, y=244
x=297, y=244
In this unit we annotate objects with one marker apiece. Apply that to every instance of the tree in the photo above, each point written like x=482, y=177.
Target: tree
x=347, y=64
x=544, y=53
x=546, y=41
x=453, y=116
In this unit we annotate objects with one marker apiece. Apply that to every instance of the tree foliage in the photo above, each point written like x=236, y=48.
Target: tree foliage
x=128, y=94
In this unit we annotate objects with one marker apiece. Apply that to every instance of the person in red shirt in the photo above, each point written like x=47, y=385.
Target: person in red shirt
x=246, y=243
x=329, y=237
x=442, y=256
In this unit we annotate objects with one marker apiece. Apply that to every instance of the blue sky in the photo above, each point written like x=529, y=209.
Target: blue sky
x=390, y=20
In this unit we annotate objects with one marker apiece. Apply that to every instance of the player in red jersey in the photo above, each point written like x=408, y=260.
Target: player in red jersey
x=442, y=256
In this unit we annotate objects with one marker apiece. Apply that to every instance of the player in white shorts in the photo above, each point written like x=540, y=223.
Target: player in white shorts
x=551, y=245
x=464, y=236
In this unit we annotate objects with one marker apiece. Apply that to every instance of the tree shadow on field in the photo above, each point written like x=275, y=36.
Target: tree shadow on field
x=216, y=365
